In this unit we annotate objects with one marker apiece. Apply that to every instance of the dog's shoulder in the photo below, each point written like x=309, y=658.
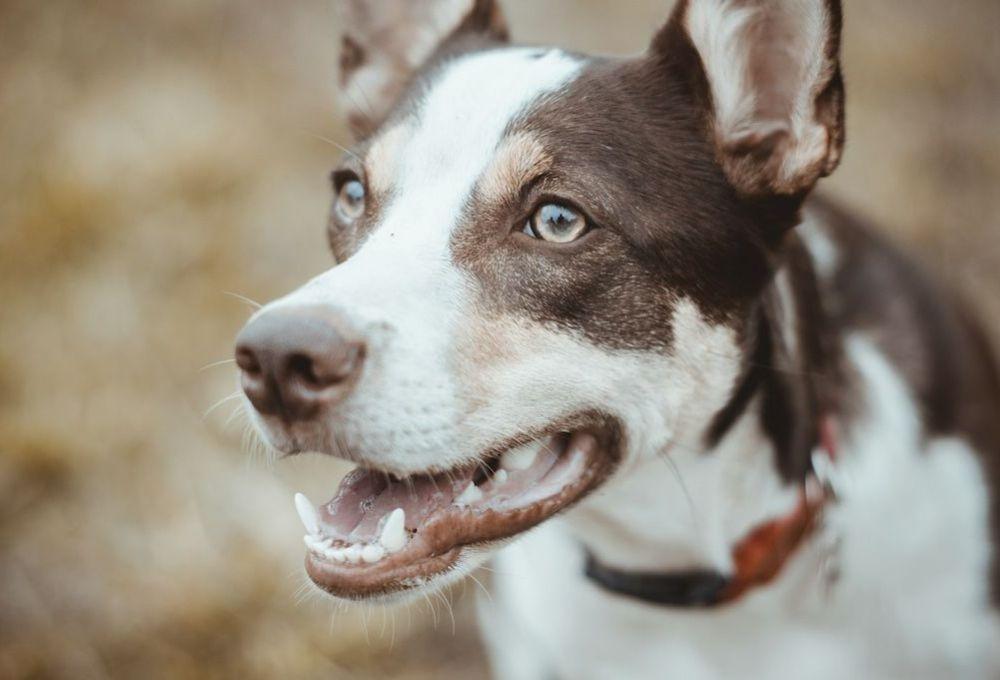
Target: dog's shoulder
x=925, y=330
x=929, y=335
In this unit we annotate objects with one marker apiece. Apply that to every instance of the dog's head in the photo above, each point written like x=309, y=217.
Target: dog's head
x=547, y=264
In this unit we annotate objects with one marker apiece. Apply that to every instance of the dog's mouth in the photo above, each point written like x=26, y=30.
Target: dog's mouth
x=382, y=534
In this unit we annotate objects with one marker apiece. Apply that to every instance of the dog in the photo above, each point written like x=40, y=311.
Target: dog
x=587, y=321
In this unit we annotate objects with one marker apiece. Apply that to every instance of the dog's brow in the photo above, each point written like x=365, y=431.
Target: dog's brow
x=381, y=160
x=520, y=159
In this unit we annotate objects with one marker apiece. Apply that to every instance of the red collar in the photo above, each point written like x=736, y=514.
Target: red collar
x=757, y=558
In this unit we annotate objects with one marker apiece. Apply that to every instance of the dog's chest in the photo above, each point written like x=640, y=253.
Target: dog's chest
x=910, y=599
x=547, y=611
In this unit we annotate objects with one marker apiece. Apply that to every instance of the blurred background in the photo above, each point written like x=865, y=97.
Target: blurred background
x=160, y=160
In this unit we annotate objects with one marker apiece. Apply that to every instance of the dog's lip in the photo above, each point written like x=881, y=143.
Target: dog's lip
x=436, y=546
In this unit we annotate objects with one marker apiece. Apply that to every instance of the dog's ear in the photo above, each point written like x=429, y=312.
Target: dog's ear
x=384, y=43
x=770, y=81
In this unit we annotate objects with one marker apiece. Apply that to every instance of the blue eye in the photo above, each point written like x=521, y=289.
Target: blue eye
x=556, y=223
x=351, y=200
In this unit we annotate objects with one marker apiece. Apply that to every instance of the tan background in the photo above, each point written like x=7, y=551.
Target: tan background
x=157, y=154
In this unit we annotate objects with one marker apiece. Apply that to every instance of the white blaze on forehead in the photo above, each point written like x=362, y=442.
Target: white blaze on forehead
x=459, y=122
x=438, y=153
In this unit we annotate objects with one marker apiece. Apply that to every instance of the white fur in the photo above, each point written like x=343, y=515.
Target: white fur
x=824, y=252
x=718, y=30
x=911, y=600
x=402, y=290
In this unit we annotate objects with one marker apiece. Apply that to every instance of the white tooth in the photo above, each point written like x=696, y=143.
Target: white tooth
x=352, y=553
x=520, y=458
x=393, y=536
x=499, y=477
x=335, y=554
x=471, y=494
x=315, y=543
x=372, y=553
x=307, y=513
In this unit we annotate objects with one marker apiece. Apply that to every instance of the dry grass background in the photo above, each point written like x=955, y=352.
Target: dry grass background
x=155, y=155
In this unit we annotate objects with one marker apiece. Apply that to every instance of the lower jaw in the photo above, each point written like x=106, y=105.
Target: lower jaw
x=506, y=501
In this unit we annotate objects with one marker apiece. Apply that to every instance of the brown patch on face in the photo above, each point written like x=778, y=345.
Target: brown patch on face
x=625, y=145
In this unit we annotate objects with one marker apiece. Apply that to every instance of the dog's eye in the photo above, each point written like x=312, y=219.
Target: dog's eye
x=350, y=198
x=556, y=223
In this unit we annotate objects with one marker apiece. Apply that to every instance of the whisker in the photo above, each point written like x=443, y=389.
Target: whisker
x=370, y=115
x=479, y=583
x=243, y=298
x=335, y=144
x=392, y=638
x=232, y=416
x=672, y=465
x=220, y=362
x=451, y=610
x=430, y=604
x=381, y=633
x=364, y=623
x=230, y=397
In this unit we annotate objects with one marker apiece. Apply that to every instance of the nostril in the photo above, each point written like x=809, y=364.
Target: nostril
x=303, y=366
x=319, y=370
x=247, y=360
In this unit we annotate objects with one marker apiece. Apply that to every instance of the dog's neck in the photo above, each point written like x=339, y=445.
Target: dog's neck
x=686, y=506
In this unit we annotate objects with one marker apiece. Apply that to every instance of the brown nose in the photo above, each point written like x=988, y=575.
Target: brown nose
x=295, y=361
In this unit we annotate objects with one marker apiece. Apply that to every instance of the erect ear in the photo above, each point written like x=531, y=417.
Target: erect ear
x=775, y=95
x=385, y=42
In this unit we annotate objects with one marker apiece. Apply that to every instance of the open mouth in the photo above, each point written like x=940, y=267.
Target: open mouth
x=382, y=534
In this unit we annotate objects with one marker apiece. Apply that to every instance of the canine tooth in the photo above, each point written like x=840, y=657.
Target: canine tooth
x=393, y=536
x=307, y=513
x=520, y=458
x=471, y=494
x=352, y=553
x=500, y=476
x=372, y=553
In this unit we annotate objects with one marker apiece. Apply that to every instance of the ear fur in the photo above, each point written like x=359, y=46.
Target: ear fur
x=775, y=96
x=385, y=42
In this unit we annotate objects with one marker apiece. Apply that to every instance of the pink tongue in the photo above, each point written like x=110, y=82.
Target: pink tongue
x=365, y=497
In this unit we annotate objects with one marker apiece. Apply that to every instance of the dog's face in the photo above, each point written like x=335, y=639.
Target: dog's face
x=546, y=265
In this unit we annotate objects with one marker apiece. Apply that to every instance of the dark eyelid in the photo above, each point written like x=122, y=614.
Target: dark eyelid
x=566, y=202
x=341, y=176
x=529, y=187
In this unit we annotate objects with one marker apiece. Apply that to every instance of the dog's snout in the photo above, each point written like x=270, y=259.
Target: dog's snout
x=295, y=361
